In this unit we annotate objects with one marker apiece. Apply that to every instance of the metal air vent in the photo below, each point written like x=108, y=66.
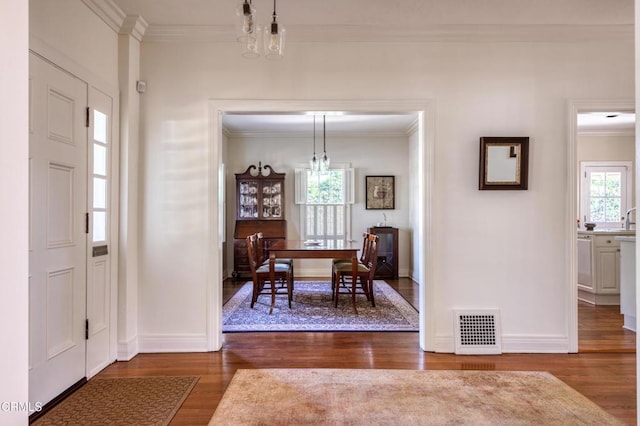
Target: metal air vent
x=477, y=332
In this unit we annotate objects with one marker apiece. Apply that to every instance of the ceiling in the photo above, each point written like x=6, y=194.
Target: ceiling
x=388, y=13
x=367, y=20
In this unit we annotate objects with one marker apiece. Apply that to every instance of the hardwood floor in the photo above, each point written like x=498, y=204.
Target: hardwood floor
x=605, y=372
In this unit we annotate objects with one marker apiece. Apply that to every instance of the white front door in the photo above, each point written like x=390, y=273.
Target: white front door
x=99, y=295
x=58, y=239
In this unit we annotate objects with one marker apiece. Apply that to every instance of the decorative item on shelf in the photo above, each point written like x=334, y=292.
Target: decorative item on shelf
x=251, y=35
x=383, y=224
x=589, y=226
x=380, y=192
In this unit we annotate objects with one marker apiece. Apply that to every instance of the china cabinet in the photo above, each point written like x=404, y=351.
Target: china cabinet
x=260, y=205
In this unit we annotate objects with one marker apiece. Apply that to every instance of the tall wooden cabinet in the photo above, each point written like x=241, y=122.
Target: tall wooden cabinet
x=387, y=266
x=260, y=202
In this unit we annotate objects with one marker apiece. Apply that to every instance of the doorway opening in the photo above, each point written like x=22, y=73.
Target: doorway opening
x=424, y=142
x=601, y=151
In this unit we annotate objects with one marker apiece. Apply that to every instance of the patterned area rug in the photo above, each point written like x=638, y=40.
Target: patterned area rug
x=312, y=310
x=122, y=401
x=403, y=397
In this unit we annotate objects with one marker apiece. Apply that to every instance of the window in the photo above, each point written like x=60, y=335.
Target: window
x=100, y=190
x=605, y=193
x=325, y=199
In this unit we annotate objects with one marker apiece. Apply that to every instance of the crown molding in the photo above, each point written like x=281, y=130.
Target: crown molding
x=351, y=134
x=434, y=33
x=134, y=26
x=108, y=11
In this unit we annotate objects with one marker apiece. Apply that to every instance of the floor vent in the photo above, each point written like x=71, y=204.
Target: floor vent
x=477, y=332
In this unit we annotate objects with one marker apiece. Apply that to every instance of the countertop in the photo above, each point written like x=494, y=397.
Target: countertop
x=608, y=231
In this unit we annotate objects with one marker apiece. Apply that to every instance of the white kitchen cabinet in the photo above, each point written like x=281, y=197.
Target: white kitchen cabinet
x=628, y=281
x=599, y=269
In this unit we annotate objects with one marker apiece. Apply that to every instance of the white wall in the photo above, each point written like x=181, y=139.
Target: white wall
x=498, y=249
x=68, y=33
x=368, y=154
x=14, y=189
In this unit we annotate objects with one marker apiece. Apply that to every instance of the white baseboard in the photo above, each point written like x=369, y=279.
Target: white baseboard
x=156, y=343
x=127, y=350
x=515, y=344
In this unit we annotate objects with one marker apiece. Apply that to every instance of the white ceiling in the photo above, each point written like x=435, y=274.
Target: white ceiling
x=384, y=13
x=341, y=19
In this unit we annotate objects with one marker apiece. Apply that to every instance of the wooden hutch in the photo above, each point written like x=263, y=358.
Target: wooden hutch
x=260, y=206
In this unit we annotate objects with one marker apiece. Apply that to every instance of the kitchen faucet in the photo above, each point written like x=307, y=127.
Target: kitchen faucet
x=627, y=221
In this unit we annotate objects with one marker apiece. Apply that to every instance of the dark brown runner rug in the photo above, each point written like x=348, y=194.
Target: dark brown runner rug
x=122, y=401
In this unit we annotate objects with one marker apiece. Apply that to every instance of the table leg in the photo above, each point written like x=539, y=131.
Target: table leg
x=354, y=277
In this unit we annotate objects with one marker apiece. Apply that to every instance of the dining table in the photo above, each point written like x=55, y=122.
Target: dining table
x=315, y=249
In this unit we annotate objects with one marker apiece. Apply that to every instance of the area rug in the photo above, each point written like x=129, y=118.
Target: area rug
x=313, y=310
x=403, y=397
x=122, y=401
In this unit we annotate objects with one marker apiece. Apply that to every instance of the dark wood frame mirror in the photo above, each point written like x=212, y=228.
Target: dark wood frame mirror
x=504, y=163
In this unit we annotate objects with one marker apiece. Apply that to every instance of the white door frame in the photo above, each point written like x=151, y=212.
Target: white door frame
x=574, y=108
x=425, y=110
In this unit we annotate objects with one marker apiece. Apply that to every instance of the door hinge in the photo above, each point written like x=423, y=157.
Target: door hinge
x=86, y=329
x=86, y=223
x=87, y=118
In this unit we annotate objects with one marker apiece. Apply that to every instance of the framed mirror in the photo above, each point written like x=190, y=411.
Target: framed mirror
x=503, y=163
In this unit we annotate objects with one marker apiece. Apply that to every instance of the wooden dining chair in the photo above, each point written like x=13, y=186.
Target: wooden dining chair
x=261, y=275
x=263, y=255
x=365, y=244
x=363, y=260
x=366, y=272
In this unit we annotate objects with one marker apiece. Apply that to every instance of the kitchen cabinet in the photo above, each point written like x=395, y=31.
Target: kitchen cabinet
x=599, y=268
x=628, y=281
x=260, y=202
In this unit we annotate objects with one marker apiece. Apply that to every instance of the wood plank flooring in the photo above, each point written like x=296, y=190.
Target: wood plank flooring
x=604, y=373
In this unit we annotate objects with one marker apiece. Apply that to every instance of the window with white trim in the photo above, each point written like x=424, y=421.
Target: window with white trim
x=605, y=193
x=325, y=199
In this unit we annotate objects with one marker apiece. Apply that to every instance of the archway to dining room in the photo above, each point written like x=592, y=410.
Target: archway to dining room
x=222, y=180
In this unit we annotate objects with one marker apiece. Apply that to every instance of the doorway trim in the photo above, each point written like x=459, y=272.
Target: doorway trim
x=424, y=109
x=574, y=108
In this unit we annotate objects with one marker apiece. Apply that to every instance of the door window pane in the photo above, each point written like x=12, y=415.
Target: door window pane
x=99, y=193
x=99, y=159
x=99, y=226
x=99, y=126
